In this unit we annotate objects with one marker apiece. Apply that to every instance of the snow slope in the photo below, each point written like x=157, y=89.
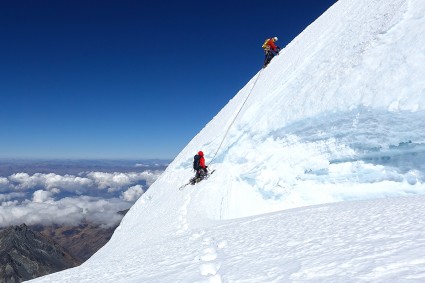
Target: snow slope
x=319, y=176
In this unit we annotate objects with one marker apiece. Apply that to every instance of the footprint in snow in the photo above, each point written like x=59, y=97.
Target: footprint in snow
x=210, y=267
x=209, y=254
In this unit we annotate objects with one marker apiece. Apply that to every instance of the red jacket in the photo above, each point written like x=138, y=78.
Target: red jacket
x=270, y=43
x=201, y=160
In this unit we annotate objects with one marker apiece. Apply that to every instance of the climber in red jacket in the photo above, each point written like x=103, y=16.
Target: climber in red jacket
x=270, y=50
x=200, y=167
x=201, y=160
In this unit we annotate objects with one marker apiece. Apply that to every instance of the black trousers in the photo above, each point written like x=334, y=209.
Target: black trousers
x=201, y=173
x=269, y=54
x=268, y=57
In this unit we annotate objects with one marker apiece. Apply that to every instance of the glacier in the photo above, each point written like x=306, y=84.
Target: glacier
x=319, y=164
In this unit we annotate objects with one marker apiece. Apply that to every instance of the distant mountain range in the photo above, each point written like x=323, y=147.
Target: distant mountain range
x=74, y=167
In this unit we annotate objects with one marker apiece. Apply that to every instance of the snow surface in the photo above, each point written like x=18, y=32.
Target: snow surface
x=319, y=176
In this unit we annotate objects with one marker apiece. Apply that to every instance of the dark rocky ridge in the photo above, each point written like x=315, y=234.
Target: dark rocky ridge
x=81, y=241
x=25, y=254
x=30, y=252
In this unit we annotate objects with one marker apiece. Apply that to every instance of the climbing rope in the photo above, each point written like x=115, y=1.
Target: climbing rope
x=234, y=119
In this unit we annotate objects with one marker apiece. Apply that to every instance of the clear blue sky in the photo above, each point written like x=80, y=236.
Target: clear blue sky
x=128, y=79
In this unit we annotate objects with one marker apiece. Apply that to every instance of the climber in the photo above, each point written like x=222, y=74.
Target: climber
x=270, y=50
x=200, y=168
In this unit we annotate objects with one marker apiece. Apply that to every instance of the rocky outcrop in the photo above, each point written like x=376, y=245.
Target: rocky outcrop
x=82, y=241
x=25, y=254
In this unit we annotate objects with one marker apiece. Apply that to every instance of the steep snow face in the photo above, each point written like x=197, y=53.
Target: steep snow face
x=338, y=115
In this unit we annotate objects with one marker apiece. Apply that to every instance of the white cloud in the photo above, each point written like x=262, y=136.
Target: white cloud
x=42, y=196
x=10, y=196
x=9, y=203
x=111, y=180
x=151, y=177
x=41, y=207
x=23, y=181
x=133, y=193
x=4, y=184
x=116, y=181
x=100, y=180
x=69, y=211
x=67, y=182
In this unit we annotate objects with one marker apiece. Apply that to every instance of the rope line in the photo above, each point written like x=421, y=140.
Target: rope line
x=234, y=119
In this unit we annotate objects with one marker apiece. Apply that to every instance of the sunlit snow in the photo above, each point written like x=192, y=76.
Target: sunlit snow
x=320, y=178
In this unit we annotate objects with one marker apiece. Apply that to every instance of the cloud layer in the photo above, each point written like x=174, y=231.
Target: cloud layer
x=70, y=199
